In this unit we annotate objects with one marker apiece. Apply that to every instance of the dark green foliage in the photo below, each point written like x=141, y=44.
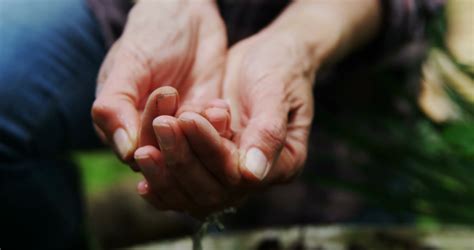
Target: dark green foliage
x=422, y=169
x=413, y=165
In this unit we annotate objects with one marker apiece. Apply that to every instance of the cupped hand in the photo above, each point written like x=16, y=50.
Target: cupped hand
x=200, y=167
x=165, y=43
x=268, y=84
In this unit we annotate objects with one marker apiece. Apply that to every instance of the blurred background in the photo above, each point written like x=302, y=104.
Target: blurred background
x=403, y=154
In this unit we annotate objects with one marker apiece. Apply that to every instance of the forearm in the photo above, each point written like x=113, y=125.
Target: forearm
x=328, y=30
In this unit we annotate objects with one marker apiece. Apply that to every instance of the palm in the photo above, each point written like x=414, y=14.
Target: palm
x=182, y=45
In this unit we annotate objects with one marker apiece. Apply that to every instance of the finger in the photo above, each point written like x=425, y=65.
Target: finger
x=219, y=119
x=218, y=103
x=103, y=138
x=160, y=181
x=218, y=155
x=218, y=113
x=190, y=108
x=115, y=109
x=162, y=101
x=144, y=191
x=117, y=118
x=215, y=111
x=196, y=180
x=100, y=134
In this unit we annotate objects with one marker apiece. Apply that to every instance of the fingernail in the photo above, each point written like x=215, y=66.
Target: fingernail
x=122, y=142
x=166, y=104
x=218, y=118
x=142, y=187
x=256, y=163
x=165, y=135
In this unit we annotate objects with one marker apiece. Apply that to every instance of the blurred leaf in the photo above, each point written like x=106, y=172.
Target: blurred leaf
x=100, y=169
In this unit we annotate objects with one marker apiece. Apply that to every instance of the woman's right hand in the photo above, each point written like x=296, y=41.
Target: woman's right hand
x=176, y=43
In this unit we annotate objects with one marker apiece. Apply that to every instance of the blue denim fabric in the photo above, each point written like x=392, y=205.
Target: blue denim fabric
x=50, y=53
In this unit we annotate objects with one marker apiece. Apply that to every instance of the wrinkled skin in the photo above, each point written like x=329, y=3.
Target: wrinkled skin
x=198, y=153
x=269, y=86
x=209, y=170
x=165, y=43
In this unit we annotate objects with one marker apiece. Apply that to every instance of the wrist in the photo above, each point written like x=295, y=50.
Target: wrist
x=180, y=14
x=178, y=6
x=328, y=30
x=180, y=1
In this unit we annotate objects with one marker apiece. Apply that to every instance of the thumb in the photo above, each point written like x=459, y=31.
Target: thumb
x=162, y=101
x=115, y=113
x=117, y=118
x=262, y=140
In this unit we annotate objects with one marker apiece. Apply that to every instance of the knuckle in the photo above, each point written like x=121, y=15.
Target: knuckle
x=274, y=134
x=100, y=110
